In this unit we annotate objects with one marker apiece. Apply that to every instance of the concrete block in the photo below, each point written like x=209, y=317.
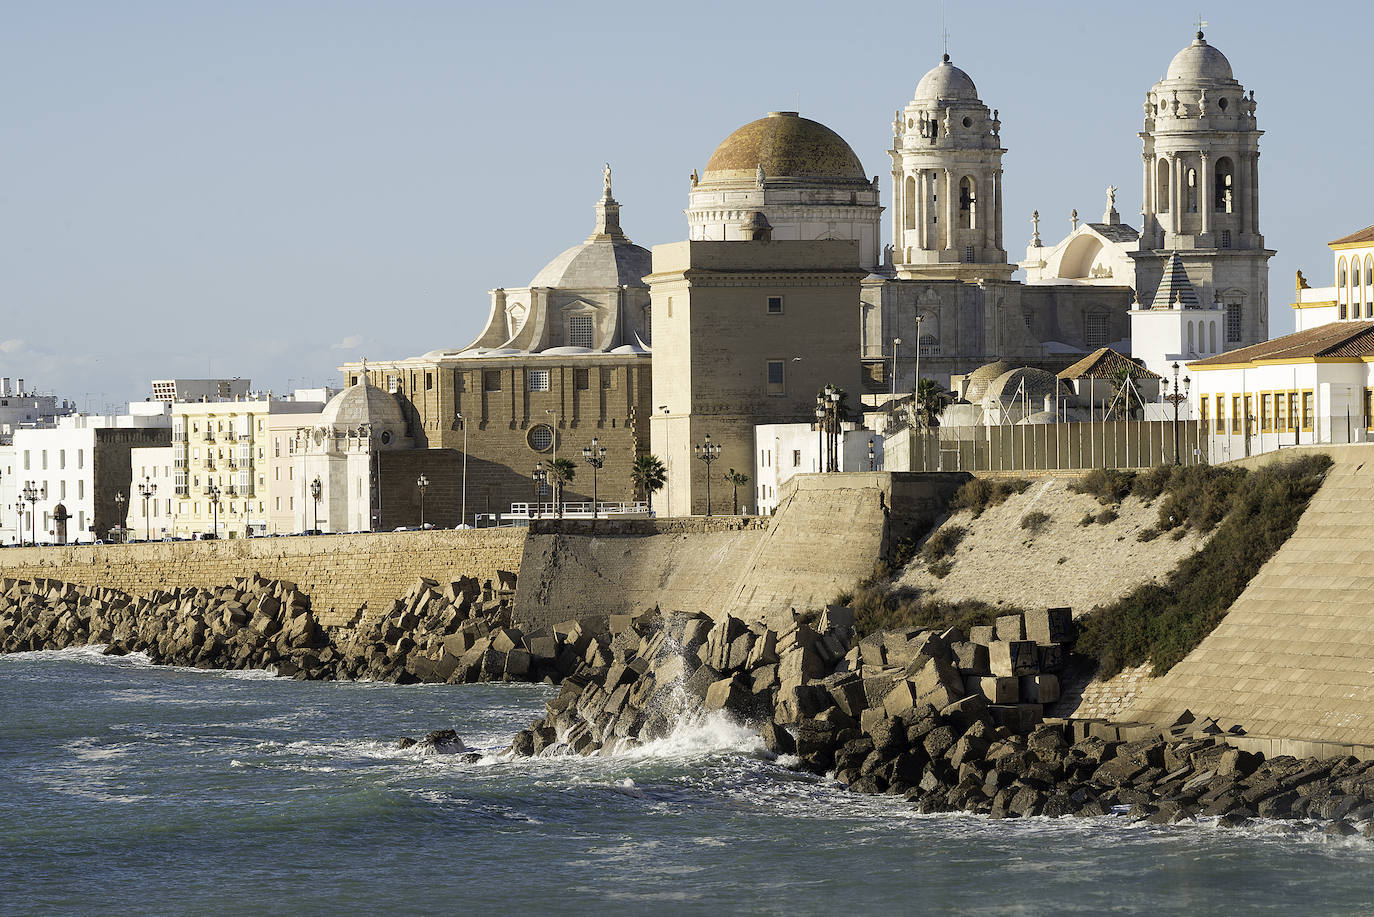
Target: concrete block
x=1013, y=657
x=1011, y=627
x=1049, y=625
x=998, y=689
x=1039, y=689
x=982, y=634
x=970, y=658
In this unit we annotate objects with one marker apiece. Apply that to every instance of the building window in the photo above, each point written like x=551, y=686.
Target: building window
x=928, y=346
x=607, y=379
x=1266, y=413
x=581, y=379
x=429, y=381
x=393, y=384
x=1292, y=411
x=1204, y=403
x=775, y=305
x=540, y=437
x=796, y=458
x=775, y=377
x=1307, y=412
x=539, y=380
x=1226, y=238
x=648, y=324
x=1235, y=414
x=1095, y=330
x=1369, y=408
x=1233, y=322
x=580, y=331
x=1341, y=312
x=491, y=380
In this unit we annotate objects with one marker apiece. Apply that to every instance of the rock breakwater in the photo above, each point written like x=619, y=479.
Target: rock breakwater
x=927, y=716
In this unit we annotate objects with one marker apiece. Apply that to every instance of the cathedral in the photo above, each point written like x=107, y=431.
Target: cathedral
x=692, y=345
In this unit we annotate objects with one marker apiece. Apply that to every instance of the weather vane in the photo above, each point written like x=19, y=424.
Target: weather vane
x=1201, y=23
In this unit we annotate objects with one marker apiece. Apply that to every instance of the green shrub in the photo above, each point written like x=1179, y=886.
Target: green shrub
x=978, y=494
x=941, y=568
x=1088, y=519
x=1107, y=516
x=943, y=543
x=1148, y=485
x=1149, y=533
x=1255, y=514
x=877, y=608
x=1035, y=520
x=1106, y=484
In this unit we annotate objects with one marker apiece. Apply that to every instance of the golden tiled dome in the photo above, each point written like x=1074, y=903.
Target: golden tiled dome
x=786, y=146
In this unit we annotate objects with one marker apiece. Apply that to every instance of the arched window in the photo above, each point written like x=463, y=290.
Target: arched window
x=1340, y=276
x=909, y=203
x=1192, y=190
x=1162, y=186
x=928, y=346
x=1225, y=190
x=1192, y=348
x=968, y=202
x=1212, y=337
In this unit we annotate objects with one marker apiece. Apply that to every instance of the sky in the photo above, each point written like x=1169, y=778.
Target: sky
x=269, y=189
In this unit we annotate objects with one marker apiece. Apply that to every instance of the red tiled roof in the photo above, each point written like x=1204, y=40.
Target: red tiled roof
x=1334, y=339
x=1103, y=363
x=1364, y=235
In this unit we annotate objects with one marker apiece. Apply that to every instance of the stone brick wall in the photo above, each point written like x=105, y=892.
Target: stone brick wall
x=339, y=572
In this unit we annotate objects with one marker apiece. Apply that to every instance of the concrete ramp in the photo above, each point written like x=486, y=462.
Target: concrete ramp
x=1293, y=660
x=829, y=531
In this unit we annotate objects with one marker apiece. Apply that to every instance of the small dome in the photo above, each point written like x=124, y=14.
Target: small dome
x=1200, y=61
x=1009, y=387
x=784, y=145
x=980, y=378
x=597, y=265
x=947, y=81
x=364, y=403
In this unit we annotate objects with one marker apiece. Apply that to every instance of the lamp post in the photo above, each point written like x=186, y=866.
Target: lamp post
x=896, y=342
x=119, y=513
x=708, y=452
x=213, y=493
x=916, y=383
x=870, y=455
x=820, y=434
x=538, y=476
x=594, y=455
x=316, y=489
x=33, y=495
x=19, y=519
x=827, y=417
x=146, y=490
x=1179, y=394
x=422, y=483
x=463, y=518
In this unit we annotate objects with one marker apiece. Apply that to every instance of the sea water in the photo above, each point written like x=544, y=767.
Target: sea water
x=127, y=788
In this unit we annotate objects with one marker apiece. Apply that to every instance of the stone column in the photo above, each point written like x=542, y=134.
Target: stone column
x=1253, y=215
x=949, y=209
x=1205, y=191
x=997, y=211
x=1175, y=198
x=922, y=202
x=898, y=216
x=1147, y=207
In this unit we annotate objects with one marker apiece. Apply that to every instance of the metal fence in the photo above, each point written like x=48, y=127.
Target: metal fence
x=1047, y=447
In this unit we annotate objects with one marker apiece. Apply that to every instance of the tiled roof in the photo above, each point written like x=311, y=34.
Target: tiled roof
x=1335, y=339
x=1115, y=232
x=1175, y=287
x=1104, y=363
x=1364, y=235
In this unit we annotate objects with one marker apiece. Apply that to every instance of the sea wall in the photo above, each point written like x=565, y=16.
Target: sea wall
x=340, y=573
x=827, y=534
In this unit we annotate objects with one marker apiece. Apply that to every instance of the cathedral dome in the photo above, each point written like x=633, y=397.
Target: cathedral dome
x=360, y=404
x=946, y=81
x=784, y=145
x=1200, y=61
x=597, y=264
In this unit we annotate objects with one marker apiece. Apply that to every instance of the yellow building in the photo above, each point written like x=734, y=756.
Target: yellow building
x=221, y=464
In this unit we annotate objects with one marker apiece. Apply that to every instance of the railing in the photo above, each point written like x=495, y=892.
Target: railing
x=576, y=510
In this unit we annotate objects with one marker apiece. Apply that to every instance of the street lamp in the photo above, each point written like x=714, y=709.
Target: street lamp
x=594, y=455
x=33, y=495
x=316, y=489
x=539, y=476
x=1180, y=394
x=213, y=492
x=119, y=513
x=708, y=452
x=870, y=455
x=896, y=342
x=916, y=383
x=827, y=419
x=422, y=483
x=463, y=518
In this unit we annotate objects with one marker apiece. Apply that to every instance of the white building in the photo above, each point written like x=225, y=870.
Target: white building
x=1351, y=294
x=150, y=516
x=1176, y=325
x=19, y=407
x=79, y=468
x=786, y=449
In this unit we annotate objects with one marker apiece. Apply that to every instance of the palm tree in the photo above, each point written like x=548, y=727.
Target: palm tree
x=649, y=476
x=932, y=399
x=561, y=472
x=737, y=479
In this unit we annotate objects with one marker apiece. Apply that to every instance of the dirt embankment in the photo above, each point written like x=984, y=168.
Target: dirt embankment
x=1009, y=555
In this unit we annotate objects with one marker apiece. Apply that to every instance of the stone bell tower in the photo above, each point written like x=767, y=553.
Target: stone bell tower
x=1200, y=162
x=947, y=183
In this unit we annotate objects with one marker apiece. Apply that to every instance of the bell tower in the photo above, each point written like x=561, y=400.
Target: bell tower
x=947, y=183
x=1200, y=165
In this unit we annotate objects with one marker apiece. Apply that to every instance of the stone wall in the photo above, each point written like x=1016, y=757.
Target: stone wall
x=1292, y=661
x=340, y=573
x=829, y=531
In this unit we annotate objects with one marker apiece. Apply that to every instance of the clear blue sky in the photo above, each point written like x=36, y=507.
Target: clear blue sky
x=267, y=189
